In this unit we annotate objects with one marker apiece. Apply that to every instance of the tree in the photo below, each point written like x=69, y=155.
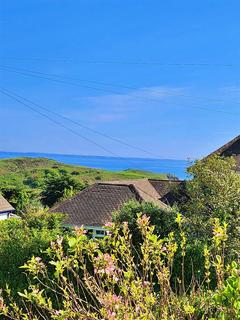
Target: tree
x=20, y=239
x=19, y=196
x=213, y=192
x=58, y=185
x=164, y=221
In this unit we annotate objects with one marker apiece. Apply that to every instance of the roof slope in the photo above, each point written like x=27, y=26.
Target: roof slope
x=166, y=190
x=5, y=206
x=145, y=189
x=94, y=205
x=232, y=148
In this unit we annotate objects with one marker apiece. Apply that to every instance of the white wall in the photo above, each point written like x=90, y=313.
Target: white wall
x=3, y=216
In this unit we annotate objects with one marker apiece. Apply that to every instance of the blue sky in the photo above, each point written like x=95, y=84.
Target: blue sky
x=159, y=75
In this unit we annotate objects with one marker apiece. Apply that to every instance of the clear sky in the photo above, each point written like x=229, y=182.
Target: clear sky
x=159, y=75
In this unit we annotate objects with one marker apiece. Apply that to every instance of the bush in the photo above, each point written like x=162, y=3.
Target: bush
x=213, y=192
x=18, y=196
x=164, y=221
x=19, y=240
x=101, y=279
x=58, y=185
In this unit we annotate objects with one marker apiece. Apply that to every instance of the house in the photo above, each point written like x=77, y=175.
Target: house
x=6, y=210
x=232, y=148
x=93, y=207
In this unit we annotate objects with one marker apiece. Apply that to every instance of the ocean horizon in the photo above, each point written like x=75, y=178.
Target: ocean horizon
x=167, y=166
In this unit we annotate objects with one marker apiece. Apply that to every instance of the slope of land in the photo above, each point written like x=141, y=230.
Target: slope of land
x=31, y=172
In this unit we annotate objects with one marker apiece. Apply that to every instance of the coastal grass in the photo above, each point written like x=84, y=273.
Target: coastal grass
x=31, y=172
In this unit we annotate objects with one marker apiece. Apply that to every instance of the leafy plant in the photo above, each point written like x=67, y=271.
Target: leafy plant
x=103, y=279
x=59, y=185
x=22, y=238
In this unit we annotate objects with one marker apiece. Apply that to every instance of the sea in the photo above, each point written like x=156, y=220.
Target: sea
x=168, y=166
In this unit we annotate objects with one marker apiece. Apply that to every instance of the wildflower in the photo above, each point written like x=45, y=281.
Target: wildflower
x=164, y=249
x=143, y=220
x=80, y=231
x=108, y=224
x=59, y=240
x=116, y=298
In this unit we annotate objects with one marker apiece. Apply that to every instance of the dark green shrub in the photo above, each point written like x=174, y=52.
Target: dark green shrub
x=20, y=239
x=57, y=185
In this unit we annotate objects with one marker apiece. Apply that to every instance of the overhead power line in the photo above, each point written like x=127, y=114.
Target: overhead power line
x=5, y=92
x=17, y=98
x=32, y=74
x=121, y=62
x=47, y=76
x=84, y=126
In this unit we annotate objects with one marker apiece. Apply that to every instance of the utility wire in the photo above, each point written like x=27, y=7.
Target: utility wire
x=57, y=80
x=83, y=126
x=13, y=96
x=123, y=62
x=2, y=90
x=48, y=77
x=8, y=68
x=5, y=92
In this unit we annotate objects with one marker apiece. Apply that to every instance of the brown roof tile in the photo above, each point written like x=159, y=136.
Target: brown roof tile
x=145, y=189
x=5, y=206
x=167, y=190
x=232, y=148
x=94, y=205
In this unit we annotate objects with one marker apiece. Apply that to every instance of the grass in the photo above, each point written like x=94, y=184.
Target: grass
x=31, y=172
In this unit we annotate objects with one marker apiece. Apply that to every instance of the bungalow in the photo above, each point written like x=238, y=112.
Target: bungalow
x=6, y=210
x=93, y=207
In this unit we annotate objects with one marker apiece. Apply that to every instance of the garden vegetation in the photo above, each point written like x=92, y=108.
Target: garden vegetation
x=176, y=265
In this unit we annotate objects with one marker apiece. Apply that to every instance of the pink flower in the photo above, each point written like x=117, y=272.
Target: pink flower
x=108, y=224
x=143, y=220
x=145, y=283
x=116, y=298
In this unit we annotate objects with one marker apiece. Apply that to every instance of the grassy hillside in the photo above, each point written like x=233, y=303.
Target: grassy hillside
x=31, y=172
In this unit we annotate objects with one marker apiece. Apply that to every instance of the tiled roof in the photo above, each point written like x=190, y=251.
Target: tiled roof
x=5, y=205
x=232, y=148
x=94, y=205
x=145, y=189
x=166, y=190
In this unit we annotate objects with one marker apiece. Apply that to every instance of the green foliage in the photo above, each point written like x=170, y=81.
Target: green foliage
x=23, y=181
x=213, y=192
x=19, y=197
x=164, y=221
x=59, y=185
x=30, y=172
x=115, y=285
x=22, y=238
x=227, y=298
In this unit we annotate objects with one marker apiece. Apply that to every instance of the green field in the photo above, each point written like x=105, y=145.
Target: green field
x=31, y=172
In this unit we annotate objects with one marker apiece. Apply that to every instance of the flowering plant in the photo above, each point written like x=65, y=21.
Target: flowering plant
x=107, y=280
